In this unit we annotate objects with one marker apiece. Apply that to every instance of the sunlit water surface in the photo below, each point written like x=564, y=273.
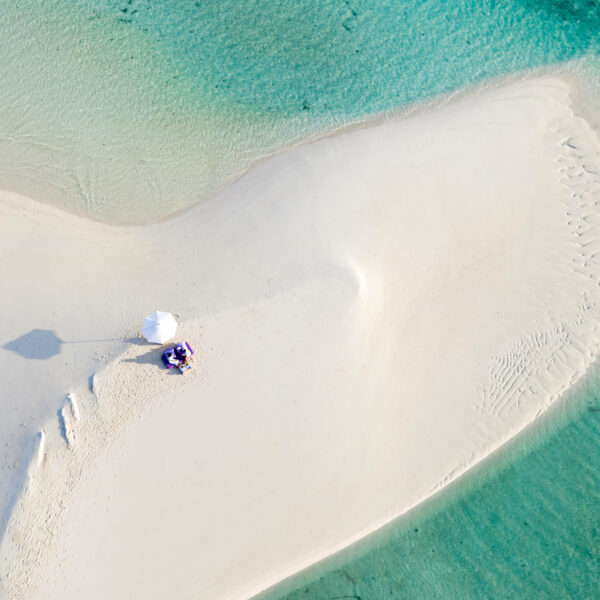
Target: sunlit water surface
x=126, y=110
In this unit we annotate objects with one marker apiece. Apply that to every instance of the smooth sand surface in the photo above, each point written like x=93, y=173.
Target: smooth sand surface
x=372, y=314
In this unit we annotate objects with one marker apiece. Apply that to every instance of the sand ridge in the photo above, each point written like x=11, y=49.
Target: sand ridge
x=373, y=314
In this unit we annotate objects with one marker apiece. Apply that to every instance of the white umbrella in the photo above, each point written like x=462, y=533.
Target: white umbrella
x=159, y=327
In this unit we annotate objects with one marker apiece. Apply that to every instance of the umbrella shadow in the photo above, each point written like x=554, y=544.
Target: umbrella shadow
x=138, y=341
x=38, y=344
x=42, y=344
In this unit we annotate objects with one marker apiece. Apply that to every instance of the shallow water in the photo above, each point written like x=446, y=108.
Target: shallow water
x=524, y=524
x=128, y=110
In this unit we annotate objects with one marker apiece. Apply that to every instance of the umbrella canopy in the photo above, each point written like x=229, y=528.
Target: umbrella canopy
x=159, y=327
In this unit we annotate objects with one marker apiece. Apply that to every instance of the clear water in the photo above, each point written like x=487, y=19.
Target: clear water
x=126, y=110
x=524, y=524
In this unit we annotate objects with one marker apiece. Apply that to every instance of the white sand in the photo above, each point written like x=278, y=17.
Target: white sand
x=372, y=314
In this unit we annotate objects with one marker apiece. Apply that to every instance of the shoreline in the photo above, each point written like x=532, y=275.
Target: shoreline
x=540, y=433
x=331, y=266
x=570, y=72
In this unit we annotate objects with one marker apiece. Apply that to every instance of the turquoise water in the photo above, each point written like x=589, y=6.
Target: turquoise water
x=126, y=110
x=524, y=524
x=346, y=58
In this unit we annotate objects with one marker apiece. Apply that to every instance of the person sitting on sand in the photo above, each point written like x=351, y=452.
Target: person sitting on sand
x=184, y=355
x=171, y=357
